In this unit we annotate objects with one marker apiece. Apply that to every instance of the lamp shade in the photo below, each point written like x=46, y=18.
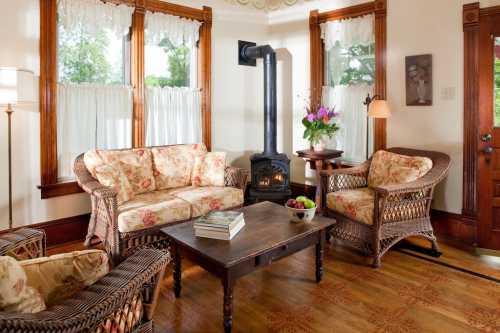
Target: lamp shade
x=16, y=86
x=379, y=109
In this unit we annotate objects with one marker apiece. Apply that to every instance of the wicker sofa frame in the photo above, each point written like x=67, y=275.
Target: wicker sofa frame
x=400, y=211
x=108, y=300
x=104, y=217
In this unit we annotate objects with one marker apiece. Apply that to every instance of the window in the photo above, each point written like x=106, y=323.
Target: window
x=349, y=78
x=95, y=67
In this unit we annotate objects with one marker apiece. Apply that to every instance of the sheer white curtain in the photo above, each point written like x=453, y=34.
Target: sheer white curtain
x=93, y=15
x=173, y=116
x=348, y=99
x=91, y=116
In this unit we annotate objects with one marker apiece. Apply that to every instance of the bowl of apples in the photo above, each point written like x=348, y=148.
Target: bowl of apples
x=301, y=209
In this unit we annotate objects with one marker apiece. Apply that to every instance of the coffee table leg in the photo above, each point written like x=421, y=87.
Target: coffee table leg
x=228, y=305
x=177, y=271
x=319, y=255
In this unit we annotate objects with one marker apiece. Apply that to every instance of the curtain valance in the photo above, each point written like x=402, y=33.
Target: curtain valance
x=349, y=32
x=177, y=29
x=94, y=15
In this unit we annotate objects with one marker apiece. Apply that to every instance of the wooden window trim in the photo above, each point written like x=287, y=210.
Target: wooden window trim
x=48, y=82
x=377, y=7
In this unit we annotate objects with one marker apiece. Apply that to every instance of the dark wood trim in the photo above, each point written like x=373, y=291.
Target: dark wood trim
x=65, y=230
x=48, y=81
x=205, y=78
x=377, y=7
x=489, y=11
x=471, y=108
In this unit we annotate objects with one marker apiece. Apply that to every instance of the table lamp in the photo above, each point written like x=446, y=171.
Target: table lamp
x=16, y=88
x=375, y=108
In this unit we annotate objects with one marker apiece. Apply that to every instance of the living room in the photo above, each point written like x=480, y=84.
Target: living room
x=239, y=79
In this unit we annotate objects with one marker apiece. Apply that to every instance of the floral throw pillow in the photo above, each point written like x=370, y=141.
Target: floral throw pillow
x=209, y=169
x=15, y=294
x=112, y=175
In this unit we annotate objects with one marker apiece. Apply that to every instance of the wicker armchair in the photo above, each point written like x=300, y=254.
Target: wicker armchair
x=130, y=289
x=399, y=211
x=103, y=222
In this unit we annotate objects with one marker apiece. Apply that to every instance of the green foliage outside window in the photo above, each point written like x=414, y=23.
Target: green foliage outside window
x=351, y=66
x=82, y=58
x=178, y=66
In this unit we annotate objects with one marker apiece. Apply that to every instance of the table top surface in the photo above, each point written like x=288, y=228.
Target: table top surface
x=320, y=155
x=267, y=226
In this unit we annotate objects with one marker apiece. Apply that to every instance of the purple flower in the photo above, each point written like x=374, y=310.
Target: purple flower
x=311, y=117
x=323, y=112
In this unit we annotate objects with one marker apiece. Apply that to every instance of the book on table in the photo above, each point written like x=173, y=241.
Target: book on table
x=219, y=224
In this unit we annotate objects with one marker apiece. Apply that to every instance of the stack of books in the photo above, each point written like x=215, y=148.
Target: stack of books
x=219, y=225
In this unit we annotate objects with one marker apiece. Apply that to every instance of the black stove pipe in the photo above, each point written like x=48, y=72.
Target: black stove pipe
x=270, y=103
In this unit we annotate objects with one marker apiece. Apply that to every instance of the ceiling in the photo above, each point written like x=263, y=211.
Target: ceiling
x=267, y=5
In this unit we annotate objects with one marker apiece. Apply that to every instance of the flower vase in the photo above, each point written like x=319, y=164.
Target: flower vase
x=319, y=145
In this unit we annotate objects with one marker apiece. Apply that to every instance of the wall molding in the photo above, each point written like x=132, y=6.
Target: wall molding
x=60, y=231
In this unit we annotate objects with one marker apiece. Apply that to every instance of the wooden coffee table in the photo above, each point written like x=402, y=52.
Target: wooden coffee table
x=268, y=236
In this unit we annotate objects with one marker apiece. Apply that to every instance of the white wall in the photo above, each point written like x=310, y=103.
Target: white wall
x=237, y=91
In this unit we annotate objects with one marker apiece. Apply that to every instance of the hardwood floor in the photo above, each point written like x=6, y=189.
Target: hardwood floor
x=407, y=294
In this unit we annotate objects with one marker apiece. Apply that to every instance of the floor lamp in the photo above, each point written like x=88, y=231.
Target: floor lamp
x=16, y=88
x=375, y=108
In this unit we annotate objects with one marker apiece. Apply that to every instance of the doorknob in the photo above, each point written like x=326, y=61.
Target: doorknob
x=488, y=150
x=486, y=137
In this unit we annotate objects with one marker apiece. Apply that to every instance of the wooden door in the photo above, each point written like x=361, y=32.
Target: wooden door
x=489, y=133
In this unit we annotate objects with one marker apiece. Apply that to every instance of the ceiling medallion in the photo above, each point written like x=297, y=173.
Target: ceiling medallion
x=267, y=5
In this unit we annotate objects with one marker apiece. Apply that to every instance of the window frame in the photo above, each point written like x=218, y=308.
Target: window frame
x=50, y=187
x=317, y=51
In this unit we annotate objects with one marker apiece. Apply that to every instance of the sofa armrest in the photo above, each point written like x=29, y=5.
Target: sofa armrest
x=93, y=306
x=26, y=243
x=236, y=177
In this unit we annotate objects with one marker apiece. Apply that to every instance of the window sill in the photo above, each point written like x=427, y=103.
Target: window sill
x=59, y=189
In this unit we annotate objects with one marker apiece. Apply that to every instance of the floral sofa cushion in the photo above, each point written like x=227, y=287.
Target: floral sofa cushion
x=15, y=294
x=209, y=169
x=113, y=176
x=356, y=204
x=206, y=199
x=136, y=164
x=389, y=168
x=60, y=276
x=173, y=165
x=151, y=209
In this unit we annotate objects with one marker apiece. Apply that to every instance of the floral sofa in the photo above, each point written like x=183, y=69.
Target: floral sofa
x=135, y=192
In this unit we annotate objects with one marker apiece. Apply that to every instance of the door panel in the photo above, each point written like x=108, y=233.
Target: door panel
x=489, y=133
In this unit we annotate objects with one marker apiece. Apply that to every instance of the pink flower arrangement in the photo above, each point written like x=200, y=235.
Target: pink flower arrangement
x=320, y=123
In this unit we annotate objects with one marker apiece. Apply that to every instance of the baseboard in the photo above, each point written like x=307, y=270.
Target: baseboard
x=446, y=225
x=68, y=229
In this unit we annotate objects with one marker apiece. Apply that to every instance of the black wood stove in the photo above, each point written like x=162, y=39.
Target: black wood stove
x=270, y=170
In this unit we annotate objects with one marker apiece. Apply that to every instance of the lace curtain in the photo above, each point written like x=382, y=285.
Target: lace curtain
x=91, y=116
x=348, y=95
x=173, y=116
x=178, y=30
x=93, y=15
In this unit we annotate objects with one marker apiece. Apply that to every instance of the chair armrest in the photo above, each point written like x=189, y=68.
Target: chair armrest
x=345, y=179
x=236, y=177
x=420, y=184
x=92, y=306
x=26, y=243
x=360, y=171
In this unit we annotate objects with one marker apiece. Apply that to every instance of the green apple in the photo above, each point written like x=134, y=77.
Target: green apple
x=309, y=204
x=301, y=198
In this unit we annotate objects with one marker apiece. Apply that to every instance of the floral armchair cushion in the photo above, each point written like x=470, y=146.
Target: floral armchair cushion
x=356, y=204
x=173, y=165
x=209, y=169
x=15, y=294
x=389, y=168
x=60, y=276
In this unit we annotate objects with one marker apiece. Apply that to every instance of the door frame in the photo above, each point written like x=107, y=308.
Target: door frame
x=473, y=15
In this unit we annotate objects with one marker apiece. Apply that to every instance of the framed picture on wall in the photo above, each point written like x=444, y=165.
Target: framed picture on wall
x=418, y=71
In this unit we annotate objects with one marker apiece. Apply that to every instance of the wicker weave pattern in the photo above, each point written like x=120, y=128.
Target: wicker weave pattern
x=400, y=211
x=23, y=244
x=117, y=296
x=103, y=220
